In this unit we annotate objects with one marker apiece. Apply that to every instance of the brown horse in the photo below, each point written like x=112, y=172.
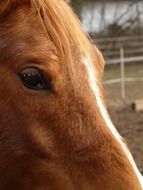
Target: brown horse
x=55, y=132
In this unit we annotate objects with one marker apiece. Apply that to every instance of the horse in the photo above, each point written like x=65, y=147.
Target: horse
x=55, y=130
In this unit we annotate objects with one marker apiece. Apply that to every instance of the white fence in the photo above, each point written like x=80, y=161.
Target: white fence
x=121, y=51
x=122, y=61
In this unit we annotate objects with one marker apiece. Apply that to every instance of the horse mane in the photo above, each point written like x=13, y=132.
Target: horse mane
x=62, y=26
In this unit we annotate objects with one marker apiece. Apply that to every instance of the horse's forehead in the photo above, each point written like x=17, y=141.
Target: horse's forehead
x=23, y=33
x=6, y=6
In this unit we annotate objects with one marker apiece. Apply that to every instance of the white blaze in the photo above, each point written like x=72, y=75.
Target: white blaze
x=93, y=84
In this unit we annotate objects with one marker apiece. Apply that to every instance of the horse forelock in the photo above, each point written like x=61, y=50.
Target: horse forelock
x=62, y=27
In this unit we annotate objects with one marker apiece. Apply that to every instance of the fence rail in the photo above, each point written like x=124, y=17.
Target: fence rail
x=117, y=39
x=133, y=46
x=121, y=51
x=126, y=60
x=118, y=80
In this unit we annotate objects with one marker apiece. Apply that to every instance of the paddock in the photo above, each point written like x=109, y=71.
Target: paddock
x=128, y=121
x=130, y=127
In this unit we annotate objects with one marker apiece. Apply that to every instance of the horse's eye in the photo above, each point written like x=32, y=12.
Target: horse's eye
x=34, y=79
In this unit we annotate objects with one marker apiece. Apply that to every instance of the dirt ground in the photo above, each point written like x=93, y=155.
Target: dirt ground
x=130, y=125
x=128, y=122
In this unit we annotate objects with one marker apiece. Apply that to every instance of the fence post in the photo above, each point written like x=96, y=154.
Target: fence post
x=122, y=68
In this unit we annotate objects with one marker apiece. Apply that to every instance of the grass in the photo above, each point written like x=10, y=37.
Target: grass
x=131, y=70
x=134, y=90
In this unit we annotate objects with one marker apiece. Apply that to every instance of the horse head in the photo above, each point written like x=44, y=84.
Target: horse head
x=55, y=131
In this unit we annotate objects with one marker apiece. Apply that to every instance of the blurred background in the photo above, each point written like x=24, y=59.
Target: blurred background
x=116, y=27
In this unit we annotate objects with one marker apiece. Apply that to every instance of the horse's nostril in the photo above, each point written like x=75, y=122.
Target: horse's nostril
x=33, y=78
